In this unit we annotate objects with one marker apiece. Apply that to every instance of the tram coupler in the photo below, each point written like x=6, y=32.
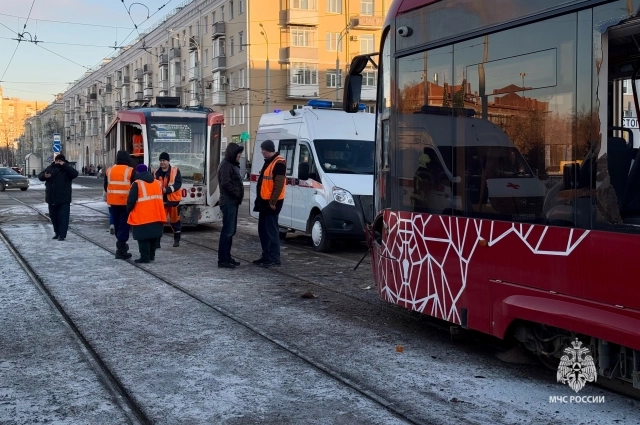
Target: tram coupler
x=457, y=333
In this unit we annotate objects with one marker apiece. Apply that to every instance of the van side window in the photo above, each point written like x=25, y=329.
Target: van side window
x=286, y=149
x=305, y=156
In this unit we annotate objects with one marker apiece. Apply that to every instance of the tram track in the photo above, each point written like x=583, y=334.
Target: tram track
x=118, y=388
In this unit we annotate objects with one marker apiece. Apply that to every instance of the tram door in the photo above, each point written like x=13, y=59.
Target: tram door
x=213, y=161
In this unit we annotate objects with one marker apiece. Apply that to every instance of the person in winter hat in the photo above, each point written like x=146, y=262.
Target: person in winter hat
x=146, y=213
x=117, y=182
x=171, y=181
x=231, y=194
x=57, y=178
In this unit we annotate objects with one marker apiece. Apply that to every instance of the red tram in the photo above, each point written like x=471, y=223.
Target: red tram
x=192, y=137
x=507, y=190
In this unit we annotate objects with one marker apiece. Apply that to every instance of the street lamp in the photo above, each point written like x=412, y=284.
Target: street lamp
x=264, y=34
x=344, y=32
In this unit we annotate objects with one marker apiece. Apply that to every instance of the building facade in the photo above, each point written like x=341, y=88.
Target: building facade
x=241, y=57
x=13, y=113
x=36, y=141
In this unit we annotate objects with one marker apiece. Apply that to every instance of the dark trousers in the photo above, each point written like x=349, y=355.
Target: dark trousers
x=147, y=248
x=229, y=227
x=59, y=215
x=110, y=217
x=120, y=216
x=269, y=233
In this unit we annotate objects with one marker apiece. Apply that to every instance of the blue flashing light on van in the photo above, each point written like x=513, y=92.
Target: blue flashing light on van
x=328, y=104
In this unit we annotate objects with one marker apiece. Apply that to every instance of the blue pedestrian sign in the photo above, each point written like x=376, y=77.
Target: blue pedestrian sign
x=56, y=142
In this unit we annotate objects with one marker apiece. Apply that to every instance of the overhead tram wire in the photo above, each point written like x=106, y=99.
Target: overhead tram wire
x=66, y=22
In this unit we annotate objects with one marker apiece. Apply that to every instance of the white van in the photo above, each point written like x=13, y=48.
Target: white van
x=329, y=155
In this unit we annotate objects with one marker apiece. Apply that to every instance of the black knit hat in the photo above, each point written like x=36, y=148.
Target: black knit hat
x=60, y=157
x=164, y=155
x=268, y=146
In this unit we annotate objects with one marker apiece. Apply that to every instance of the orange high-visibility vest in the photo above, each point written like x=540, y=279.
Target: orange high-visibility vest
x=149, y=206
x=118, y=184
x=138, y=147
x=266, y=188
x=173, y=196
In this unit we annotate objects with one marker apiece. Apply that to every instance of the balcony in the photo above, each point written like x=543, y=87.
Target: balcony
x=148, y=92
x=164, y=85
x=219, y=97
x=194, y=42
x=118, y=105
x=107, y=109
x=125, y=80
x=93, y=96
x=146, y=69
x=218, y=30
x=108, y=89
x=303, y=91
x=367, y=22
x=139, y=96
x=118, y=84
x=219, y=63
x=176, y=80
x=164, y=59
x=368, y=93
x=302, y=17
x=137, y=74
x=174, y=53
x=194, y=73
x=298, y=54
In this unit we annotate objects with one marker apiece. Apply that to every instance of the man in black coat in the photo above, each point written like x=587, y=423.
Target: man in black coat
x=231, y=194
x=57, y=178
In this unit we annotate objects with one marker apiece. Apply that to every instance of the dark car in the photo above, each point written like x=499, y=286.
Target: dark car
x=17, y=169
x=9, y=179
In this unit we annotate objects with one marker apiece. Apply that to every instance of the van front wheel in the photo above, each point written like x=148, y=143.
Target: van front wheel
x=319, y=235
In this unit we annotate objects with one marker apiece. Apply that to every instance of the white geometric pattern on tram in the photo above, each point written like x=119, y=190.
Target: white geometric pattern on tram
x=415, y=252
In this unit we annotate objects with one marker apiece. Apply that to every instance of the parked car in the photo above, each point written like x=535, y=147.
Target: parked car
x=10, y=179
x=17, y=169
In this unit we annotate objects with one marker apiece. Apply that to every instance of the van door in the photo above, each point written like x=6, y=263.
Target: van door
x=304, y=190
x=286, y=149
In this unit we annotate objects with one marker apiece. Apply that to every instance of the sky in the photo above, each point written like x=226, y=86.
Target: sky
x=39, y=71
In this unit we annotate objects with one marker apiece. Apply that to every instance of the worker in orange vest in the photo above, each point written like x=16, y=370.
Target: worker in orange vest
x=117, y=182
x=146, y=213
x=171, y=180
x=138, y=144
x=270, y=190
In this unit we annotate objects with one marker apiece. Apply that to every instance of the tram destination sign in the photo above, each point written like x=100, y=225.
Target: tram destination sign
x=630, y=122
x=176, y=133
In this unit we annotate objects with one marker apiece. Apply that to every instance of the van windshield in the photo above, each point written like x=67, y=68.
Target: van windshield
x=345, y=156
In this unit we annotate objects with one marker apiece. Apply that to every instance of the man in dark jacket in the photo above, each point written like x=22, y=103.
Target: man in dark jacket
x=57, y=178
x=270, y=192
x=117, y=181
x=231, y=194
x=148, y=225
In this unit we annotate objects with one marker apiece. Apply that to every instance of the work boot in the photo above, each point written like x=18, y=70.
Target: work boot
x=176, y=239
x=143, y=246
x=158, y=242
x=121, y=251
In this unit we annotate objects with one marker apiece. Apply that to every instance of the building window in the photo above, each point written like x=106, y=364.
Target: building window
x=334, y=42
x=302, y=36
x=334, y=6
x=240, y=40
x=304, y=4
x=240, y=7
x=232, y=116
x=370, y=109
x=297, y=106
x=241, y=114
x=231, y=10
x=304, y=73
x=224, y=118
x=213, y=17
x=232, y=82
x=366, y=44
x=241, y=78
x=206, y=24
x=216, y=83
x=369, y=78
x=366, y=7
x=334, y=79
x=218, y=47
x=222, y=12
x=205, y=57
x=231, y=46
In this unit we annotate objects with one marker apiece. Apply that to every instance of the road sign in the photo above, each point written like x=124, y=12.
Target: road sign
x=630, y=122
x=56, y=138
x=56, y=148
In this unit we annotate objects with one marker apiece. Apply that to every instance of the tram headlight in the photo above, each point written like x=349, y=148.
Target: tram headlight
x=342, y=196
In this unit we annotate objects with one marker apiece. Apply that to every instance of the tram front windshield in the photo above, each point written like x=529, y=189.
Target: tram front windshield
x=184, y=139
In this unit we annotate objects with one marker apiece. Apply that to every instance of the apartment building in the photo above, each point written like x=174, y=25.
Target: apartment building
x=13, y=113
x=241, y=57
x=36, y=143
